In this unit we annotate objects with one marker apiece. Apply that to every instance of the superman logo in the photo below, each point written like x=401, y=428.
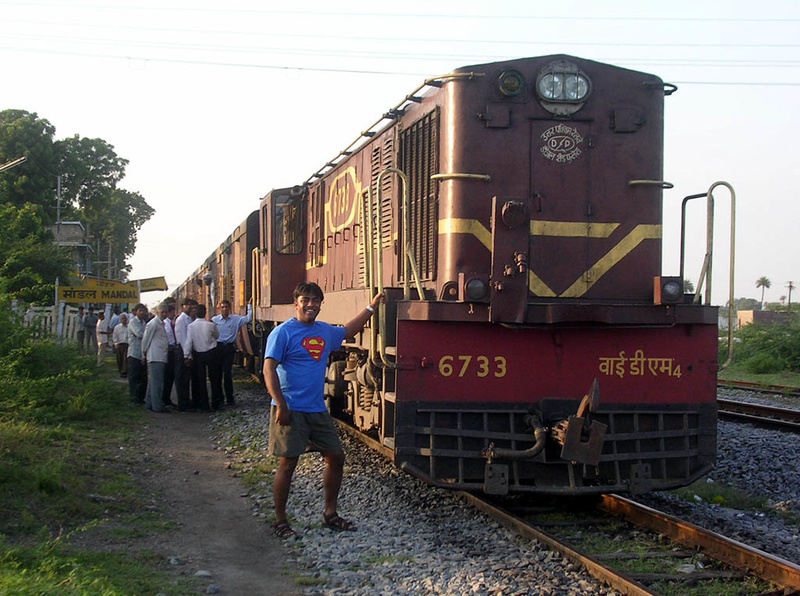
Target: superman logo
x=315, y=347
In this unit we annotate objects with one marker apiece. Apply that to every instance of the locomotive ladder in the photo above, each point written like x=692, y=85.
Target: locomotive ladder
x=705, y=271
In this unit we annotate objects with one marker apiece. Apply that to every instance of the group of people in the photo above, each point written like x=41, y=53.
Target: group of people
x=184, y=351
x=158, y=351
x=98, y=335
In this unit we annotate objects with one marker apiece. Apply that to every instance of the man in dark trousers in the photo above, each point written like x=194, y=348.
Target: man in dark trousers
x=183, y=355
x=294, y=371
x=202, y=344
x=229, y=326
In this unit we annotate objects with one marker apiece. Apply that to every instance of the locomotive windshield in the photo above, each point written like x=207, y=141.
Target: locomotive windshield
x=288, y=225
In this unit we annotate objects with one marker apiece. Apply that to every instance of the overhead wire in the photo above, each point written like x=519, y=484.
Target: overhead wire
x=416, y=39
x=137, y=49
x=392, y=15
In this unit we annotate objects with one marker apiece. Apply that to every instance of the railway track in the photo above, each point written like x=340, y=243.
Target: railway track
x=773, y=389
x=725, y=559
x=767, y=416
x=707, y=557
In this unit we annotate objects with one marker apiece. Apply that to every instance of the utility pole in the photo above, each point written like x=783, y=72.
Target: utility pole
x=58, y=210
x=12, y=163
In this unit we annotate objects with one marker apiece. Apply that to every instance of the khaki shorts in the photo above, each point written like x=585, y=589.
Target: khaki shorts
x=307, y=431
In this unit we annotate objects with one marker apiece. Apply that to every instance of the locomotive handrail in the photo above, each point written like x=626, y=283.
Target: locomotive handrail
x=408, y=260
x=461, y=176
x=659, y=183
x=392, y=114
x=255, y=290
x=705, y=271
x=375, y=356
x=377, y=339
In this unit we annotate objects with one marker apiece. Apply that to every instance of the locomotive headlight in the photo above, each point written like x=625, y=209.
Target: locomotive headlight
x=551, y=86
x=562, y=87
x=667, y=290
x=576, y=87
x=512, y=83
x=476, y=289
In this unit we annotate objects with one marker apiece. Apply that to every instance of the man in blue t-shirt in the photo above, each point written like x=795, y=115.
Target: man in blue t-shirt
x=295, y=362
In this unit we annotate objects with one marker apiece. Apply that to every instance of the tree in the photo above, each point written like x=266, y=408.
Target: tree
x=763, y=283
x=24, y=134
x=90, y=171
x=746, y=304
x=30, y=266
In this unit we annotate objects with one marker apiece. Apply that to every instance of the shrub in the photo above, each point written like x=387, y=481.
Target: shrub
x=762, y=364
x=771, y=345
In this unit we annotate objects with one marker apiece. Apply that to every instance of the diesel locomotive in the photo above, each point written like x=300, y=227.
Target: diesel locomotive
x=511, y=212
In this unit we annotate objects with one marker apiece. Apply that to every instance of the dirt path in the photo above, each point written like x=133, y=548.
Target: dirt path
x=216, y=529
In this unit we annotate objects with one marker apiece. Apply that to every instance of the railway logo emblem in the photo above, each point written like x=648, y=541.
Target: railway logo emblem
x=561, y=143
x=341, y=207
x=315, y=347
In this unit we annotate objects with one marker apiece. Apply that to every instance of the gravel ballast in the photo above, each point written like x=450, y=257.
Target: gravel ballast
x=414, y=539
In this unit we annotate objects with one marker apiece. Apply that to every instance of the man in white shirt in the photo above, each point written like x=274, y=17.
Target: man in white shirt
x=102, y=337
x=169, y=375
x=155, y=348
x=137, y=365
x=183, y=356
x=202, y=343
x=120, y=338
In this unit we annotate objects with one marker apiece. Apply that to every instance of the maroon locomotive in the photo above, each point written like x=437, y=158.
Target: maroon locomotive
x=512, y=214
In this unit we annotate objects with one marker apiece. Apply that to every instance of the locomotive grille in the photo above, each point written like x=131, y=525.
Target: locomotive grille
x=419, y=159
x=382, y=158
x=677, y=446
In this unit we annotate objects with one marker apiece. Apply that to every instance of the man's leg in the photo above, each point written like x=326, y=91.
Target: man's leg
x=228, y=355
x=332, y=481
x=156, y=385
x=215, y=376
x=281, y=486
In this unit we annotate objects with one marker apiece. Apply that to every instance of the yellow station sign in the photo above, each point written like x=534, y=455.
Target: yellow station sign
x=107, y=290
x=117, y=294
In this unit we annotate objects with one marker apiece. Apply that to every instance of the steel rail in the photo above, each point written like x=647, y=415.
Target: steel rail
x=741, y=556
x=770, y=568
x=597, y=569
x=605, y=574
x=749, y=386
x=760, y=414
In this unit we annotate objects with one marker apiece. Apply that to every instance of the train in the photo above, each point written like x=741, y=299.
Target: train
x=511, y=212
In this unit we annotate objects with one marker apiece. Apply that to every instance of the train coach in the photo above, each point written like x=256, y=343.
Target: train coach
x=512, y=214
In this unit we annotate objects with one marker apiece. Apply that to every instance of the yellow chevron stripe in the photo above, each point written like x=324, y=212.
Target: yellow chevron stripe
x=467, y=226
x=538, y=287
x=611, y=258
x=567, y=229
x=572, y=229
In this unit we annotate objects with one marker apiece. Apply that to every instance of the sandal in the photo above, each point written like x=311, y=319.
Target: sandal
x=283, y=530
x=335, y=522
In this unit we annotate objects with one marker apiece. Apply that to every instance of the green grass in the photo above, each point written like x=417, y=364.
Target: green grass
x=718, y=494
x=69, y=505
x=738, y=372
x=51, y=567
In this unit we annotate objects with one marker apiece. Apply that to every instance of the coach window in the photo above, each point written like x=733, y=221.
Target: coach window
x=288, y=225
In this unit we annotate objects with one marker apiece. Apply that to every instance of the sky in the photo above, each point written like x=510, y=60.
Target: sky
x=214, y=105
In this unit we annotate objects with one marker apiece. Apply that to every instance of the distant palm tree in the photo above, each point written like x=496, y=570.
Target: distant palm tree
x=763, y=283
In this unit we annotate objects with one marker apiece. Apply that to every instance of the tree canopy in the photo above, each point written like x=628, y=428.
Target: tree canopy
x=90, y=172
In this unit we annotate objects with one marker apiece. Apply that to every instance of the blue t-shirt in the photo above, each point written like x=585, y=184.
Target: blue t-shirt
x=302, y=351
